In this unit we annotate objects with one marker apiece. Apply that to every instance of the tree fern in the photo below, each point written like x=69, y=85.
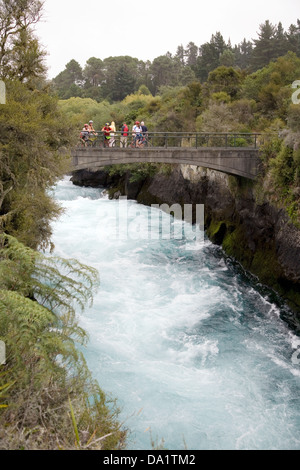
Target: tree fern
x=38, y=300
x=58, y=284
x=44, y=367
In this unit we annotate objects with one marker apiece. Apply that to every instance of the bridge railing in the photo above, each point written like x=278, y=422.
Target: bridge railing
x=173, y=139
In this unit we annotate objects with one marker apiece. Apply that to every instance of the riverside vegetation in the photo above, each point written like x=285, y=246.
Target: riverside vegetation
x=48, y=399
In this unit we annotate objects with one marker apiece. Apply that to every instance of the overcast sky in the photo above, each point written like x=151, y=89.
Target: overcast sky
x=75, y=29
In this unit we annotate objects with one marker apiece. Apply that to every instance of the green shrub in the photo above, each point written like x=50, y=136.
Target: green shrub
x=45, y=369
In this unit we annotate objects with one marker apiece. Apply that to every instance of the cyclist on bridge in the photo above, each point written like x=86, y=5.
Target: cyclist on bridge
x=106, y=134
x=137, y=132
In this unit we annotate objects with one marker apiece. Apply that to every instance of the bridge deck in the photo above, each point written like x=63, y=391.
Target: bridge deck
x=240, y=161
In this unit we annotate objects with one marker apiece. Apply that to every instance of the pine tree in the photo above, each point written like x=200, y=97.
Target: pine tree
x=123, y=84
x=209, y=56
x=72, y=76
x=227, y=58
x=293, y=36
x=280, y=42
x=93, y=71
x=191, y=53
x=263, y=50
x=180, y=54
x=243, y=54
x=164, y=72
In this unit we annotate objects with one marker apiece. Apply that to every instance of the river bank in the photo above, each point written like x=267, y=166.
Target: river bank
x=249, y=228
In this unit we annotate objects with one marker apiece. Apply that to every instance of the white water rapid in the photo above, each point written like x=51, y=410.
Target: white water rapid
x=193, y=353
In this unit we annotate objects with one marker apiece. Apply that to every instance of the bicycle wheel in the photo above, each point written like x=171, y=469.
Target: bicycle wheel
x=146, y=144
x=93, y=141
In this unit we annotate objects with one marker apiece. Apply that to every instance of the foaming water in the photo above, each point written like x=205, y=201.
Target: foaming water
x=192, y=352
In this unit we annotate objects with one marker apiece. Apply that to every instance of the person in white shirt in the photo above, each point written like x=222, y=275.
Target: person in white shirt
x=137, y=133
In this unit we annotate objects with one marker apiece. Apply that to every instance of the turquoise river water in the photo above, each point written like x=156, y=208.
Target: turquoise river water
x=193, y=351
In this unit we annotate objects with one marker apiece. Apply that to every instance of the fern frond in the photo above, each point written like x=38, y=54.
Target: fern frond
x=59, y=284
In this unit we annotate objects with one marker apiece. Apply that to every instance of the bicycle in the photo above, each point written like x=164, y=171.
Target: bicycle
x=133, y=143
x=92, y=141
x=87, y=139
x=112, y=142
x=140, y=142
x=145, y=142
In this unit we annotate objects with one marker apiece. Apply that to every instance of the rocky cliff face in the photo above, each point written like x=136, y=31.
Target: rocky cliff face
x=257, y=234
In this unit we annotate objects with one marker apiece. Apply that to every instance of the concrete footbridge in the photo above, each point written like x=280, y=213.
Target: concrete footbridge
x=234, y=154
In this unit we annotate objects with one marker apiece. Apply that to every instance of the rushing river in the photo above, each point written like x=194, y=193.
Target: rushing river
x=193, y=352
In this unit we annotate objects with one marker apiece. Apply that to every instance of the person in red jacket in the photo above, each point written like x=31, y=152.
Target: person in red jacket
x=124, y=135
x=106, y=134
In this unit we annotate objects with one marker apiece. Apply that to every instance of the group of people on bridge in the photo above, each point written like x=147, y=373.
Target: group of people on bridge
x=139, y=134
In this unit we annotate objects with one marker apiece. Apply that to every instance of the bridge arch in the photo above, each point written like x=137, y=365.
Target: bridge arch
x=239, y=161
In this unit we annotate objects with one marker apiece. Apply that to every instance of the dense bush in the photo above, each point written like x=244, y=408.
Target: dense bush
x=48, y=399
